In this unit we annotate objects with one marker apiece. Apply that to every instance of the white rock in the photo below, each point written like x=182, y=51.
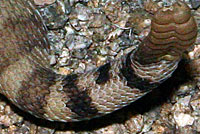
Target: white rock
x=183, y=119
x=52, y=59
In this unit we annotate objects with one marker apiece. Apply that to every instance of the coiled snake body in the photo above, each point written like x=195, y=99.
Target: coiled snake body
x=27, y=80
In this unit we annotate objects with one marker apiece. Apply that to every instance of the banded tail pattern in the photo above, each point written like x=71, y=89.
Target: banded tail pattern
x=27, y=80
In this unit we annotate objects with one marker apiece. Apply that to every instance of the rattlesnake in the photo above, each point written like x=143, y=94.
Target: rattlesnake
x=27, y=80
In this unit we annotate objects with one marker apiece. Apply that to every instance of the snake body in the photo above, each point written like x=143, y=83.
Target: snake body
x=27, y=80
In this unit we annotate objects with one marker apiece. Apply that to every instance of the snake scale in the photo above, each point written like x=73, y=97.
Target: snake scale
x=28, y=81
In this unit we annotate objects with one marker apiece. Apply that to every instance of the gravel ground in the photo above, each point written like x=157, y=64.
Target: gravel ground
x=85, y=34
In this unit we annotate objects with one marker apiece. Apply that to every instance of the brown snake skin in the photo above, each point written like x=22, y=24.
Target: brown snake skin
x=27, y=80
